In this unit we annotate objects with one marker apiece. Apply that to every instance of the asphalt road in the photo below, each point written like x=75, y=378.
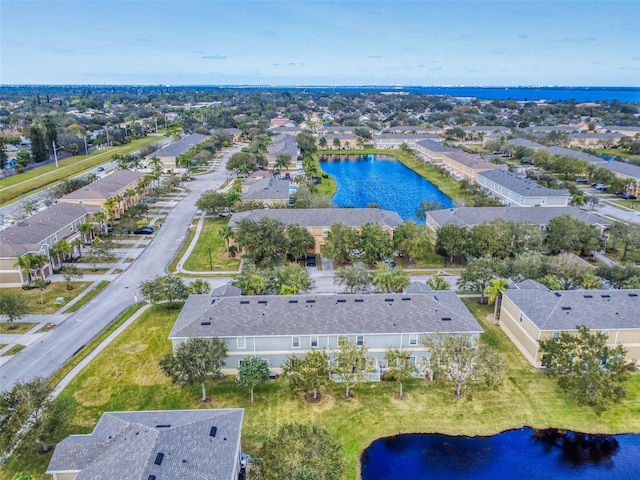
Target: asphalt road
x=45, y=357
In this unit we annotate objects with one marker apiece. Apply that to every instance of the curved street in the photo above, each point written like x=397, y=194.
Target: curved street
x=53, y=349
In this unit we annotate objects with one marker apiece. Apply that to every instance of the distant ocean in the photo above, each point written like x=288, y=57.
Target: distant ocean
x=580, y=94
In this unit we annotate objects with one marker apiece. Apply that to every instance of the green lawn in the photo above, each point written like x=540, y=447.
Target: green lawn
x=198, y=261
x=19, y=327
x=126, y=376
x=14, y=350
x=623, y=152
x=15, y=187
x=49, y=295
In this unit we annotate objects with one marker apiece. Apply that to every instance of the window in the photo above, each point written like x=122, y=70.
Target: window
x=413, y=339
x=295, y=342
x=521, y=317
x=412, y=361
x=605, y=333
x=360, y=340
x=314, y=341
x=242, y=342
x=556, y=336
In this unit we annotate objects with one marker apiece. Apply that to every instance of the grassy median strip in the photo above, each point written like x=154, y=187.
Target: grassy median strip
x=88, y=297
x=200, y=260
x=126, y=376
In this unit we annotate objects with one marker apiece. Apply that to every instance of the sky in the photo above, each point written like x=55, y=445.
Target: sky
x=305, y=42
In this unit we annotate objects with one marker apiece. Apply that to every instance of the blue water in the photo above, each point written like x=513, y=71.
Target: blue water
x=580, y=94
x=515, y=454
x=380, y=179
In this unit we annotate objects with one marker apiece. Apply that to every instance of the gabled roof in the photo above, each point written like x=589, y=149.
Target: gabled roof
x=471, y=216
x=26, y=236
x=108, y=186
x=566, y=309
x=322, y=217
x=521, y=186
x=435, y=146
x=472, y=161
x=523, y=142
x=271, y=188
x=176, y=148
x=127, y=445
x=278, y=315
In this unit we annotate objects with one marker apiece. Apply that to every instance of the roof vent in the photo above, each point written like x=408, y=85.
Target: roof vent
x=244, y=302
x=159, y=457
x=262, y=302
x=406, y=299
x=213, y=301
x=388, y=299
x=212, y=432
x=446, y=319
x=588, y=296
x=557, y=294
x=151, y=477
x=293, y=301
x=435, y=297
x=566, y=308
x=606, y=296
x=359, y=300
x=164, y=425
x=311, y=301
x=633, y=294
x=205, y=323
x=341, y=300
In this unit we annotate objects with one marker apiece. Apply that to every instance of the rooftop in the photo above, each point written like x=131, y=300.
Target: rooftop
x=519, y=185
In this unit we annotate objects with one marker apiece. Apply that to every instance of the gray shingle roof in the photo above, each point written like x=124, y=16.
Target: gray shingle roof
x=26, y=236
x=107, y=186
x=323, y=315
x=471, y=216
x=125, y=445
x=472, y=161
x=574, y=153
x=521, y=186
x=271, y=188
x=564, y=310
x=435, y=146
x=176, y=148
x=523, y=142
x=323, y=217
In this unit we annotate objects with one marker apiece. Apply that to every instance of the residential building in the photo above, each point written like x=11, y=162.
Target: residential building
x=341, y=141
x=432, y=151
x=594, y=140
x=274, y=327
x=319, y=220
x=396, y=140
x=530, y=315
x=125, y=187
x=521, y=192
x=283, y=144
x=464, y=166
x=37, y=235
x=523, y=142
x=150, y=445
x=270, y=191
x=170, y=153
x=472, y=216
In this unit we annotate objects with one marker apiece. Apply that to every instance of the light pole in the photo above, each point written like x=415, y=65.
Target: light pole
x=210, y=262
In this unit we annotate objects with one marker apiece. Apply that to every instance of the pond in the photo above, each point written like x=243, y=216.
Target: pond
x=515, y=454
x=381, y=180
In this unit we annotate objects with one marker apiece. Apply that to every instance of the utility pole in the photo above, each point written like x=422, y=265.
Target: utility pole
x=55, y=152
x=86, y=150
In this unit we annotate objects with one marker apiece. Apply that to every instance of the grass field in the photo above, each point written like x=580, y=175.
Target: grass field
x=49, y=295
x=198, y=261
x=19, y=327
x=614, y=152
x=17, y=186
x=126, y=376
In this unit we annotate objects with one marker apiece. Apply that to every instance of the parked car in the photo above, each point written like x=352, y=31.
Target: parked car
x=311, y=260
x=580, y=180
x=101, y=169
x=628, y=196
x=144, y=231
x=602, y=187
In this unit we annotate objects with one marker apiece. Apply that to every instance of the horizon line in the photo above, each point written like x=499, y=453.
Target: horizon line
x=298, y=86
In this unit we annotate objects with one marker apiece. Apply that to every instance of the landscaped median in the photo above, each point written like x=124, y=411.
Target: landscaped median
x=126, y=376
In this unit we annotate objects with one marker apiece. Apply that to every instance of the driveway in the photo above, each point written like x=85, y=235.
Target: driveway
x=46, y=355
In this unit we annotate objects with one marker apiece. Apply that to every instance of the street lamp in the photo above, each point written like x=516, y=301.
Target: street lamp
x=210, y=262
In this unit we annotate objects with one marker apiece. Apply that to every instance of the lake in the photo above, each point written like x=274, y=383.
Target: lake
x=380, y=179
x=515, y=454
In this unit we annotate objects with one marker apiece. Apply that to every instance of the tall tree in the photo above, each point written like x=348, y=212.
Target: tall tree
x=294, y=278
x=350, y=363
x=13, y=306
x=478, y=275
x=308, y=374
x=300, y=241
x=253, y=372
x=400, y=367
x=495, y=289
x=355, y=278
x=588, y=369
x=438, y=283
x=412, y=240
x=388, y=279
x=426, y=206
x=452, y=241
x=39, y=148
x=199, y=287
x=299, y=452
x=264, y=242
x=375, y=242
x=197, y=360
x=340, y=243
x=251, y=281
x=166, y=289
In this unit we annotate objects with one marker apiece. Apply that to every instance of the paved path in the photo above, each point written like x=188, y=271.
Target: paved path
x=46, y=353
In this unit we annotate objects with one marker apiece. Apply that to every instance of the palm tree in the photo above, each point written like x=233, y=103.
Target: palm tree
x=226, y=233
x=77, y=242
x=25, y=262
x=438, y=283
x=63, y=247
x=110, y=205
x=494, y=290
x=283, y=161
x=100, y=217
x=86, y=228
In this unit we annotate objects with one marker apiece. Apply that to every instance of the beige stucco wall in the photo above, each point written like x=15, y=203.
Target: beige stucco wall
x=64, y=476
x=523, y=335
